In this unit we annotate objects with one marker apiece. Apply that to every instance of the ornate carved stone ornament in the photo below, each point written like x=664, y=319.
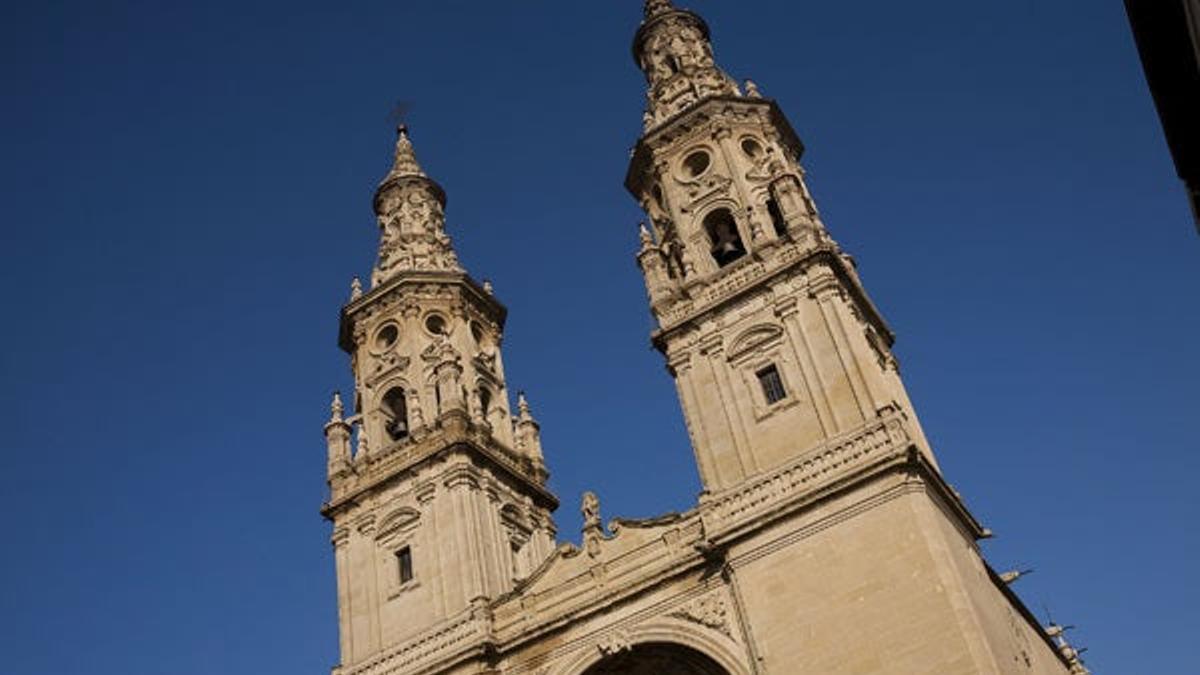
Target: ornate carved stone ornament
x=440, y=351
x=673, y=51
x=386, y=366
x=614, y=642
x=593, y=531
x=409, y=208
x=708, y=610
x=760, y=316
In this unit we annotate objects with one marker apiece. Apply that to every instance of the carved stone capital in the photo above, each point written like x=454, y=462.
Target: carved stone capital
x=365, y=524
x=712, y=345
x=340, y=537
x=823, y=283
x=425, y=492
x=461, y=476
x=679, y=363
x=786, y=307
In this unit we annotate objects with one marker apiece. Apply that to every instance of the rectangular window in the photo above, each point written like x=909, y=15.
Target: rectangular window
x=772, y=384
x=404, y=564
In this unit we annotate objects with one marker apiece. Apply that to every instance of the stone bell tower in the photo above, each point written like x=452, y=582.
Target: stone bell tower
x=771, y=338
x=442, y=502
x=844, y=549
x=826, y=539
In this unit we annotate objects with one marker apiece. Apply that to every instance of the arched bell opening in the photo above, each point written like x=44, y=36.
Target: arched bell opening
x=657, y=658
x=723, y=234
x=395, y=410
x=485, y=402
x=778, y=222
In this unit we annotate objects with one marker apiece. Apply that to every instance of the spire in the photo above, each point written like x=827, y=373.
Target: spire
x=337, y=438
x=336, y=408
x=672, y=48
x=529, y=437
x=409, y=206
x=656, y=7
x=405, y=163
x=644, y=235
x=524, y=414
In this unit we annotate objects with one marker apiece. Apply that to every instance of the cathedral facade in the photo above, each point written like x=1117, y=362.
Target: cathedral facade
x=825, y=539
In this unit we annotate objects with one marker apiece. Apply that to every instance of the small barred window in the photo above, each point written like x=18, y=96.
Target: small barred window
x=405, y=564
x=772, y=384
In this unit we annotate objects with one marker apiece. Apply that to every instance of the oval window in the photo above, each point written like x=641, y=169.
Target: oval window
x=751, y=147
x=435, y=324
x=696, y=163
x=386, y=337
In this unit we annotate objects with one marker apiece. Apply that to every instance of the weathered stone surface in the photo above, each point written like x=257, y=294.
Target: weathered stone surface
x=825, y=541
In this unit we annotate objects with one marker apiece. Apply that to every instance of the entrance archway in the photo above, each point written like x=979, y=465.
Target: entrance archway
x=657, y=659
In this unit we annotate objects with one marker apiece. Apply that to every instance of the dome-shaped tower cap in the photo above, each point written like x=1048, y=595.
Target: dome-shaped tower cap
x=406, y=170
x=655, y=12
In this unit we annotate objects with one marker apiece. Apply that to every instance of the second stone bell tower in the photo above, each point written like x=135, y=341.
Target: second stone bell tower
x=826, y=539
x=771, y=338
x=442, y=503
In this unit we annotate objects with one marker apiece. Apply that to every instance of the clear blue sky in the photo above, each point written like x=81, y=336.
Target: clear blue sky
x=186, y=194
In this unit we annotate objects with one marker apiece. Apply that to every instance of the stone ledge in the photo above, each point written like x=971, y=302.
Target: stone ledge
x=468, y=439
x=574, y=584
x=461, y=636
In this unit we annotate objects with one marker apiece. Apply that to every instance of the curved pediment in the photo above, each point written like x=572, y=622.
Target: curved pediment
x=753, y=338
x=636, y=552
x=402, y=518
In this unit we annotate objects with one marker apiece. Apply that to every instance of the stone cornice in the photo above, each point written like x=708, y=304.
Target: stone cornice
x=460, y=637
x=641, y=160
x=756, y=276
x=640, y=555
x=1027, y=615
x=831, y=467
x=469, y=439
x=396, y=285
x=401, y=181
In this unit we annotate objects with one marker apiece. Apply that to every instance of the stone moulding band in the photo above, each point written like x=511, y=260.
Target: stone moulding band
x=462, y=635
x=686, y=312
x=346, y=491
x=878, y=440
x=724, y=516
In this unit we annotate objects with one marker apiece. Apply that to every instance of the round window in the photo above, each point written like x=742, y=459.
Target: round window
x=386, y=337
x=751, y=147
x=435, y=324
x=696, y=163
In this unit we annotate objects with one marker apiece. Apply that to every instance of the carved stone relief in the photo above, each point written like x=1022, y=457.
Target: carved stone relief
x=708, y=610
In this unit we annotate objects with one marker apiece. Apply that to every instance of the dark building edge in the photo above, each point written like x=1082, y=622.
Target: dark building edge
x=1167, y=33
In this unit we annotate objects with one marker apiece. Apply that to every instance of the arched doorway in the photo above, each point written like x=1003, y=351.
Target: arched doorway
x=657, y=659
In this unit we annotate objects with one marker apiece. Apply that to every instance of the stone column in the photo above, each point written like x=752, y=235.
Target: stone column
x=680, y=366
x=714, y=351
x=340, y=541
x=827, y=290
